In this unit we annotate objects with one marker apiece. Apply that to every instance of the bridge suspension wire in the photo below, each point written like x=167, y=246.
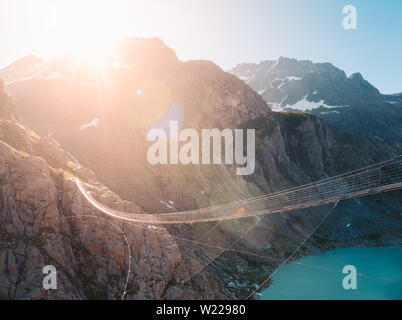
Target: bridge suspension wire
x=162, y=232
x=293, y=253
x=377, y=178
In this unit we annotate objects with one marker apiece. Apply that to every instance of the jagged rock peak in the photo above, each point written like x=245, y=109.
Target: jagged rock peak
x=291, y=65
x=145, y=51
x=356, y=76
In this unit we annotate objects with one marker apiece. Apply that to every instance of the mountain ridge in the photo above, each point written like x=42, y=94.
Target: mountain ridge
x=291, y=149
x=351, y=107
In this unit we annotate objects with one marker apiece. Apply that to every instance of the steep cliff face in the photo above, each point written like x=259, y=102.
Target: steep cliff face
x=110, y=116
x=44, y=220
x=293, y=148
x=8, y=109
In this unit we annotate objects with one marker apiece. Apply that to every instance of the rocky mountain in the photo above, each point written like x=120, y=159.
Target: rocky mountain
x=79, y=106
x=362, y=120
x=46, y=221
x=93, y=123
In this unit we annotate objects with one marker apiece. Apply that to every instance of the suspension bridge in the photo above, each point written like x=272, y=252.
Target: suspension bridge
x=373, y=179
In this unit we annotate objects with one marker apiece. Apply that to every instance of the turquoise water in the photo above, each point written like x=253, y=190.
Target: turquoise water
x=381, y=278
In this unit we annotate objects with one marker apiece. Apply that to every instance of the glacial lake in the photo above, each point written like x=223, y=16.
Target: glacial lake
x=320, y=277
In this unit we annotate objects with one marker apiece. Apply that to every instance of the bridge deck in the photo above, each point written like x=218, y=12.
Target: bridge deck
x=378, y=178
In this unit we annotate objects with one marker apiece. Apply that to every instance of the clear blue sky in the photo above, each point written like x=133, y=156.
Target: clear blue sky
x=224, y=31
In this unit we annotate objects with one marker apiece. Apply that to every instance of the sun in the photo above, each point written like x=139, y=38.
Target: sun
x=93, y=52
x=87, y=30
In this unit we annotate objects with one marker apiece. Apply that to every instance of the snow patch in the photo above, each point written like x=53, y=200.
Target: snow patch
x=305, y=105
x=24, y=79
x=169, y=204
x=276, y=79
x=250, y=79
x=94, y=123
x=291, y=78
x=38, y=76
x=50, y=76
x=277, y=106
x=329, y=112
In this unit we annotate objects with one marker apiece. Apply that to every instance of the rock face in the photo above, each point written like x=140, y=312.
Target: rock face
x=8, y=109
x=96, y=129
x=137, y=94
x=284, y=82
x=44, y=220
